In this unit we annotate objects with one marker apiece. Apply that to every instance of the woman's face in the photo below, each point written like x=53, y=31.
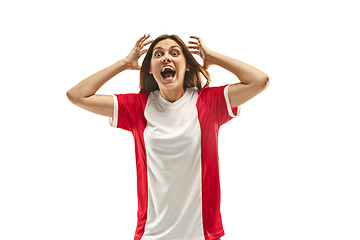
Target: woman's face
x=168, y=65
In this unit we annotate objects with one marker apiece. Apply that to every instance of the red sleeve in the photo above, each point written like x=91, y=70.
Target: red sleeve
x=216, y=100
x=128, y=110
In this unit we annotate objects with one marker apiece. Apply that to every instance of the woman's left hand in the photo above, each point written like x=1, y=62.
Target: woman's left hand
x=203, y=51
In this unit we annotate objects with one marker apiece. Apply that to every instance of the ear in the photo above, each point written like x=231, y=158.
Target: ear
x=187, y=68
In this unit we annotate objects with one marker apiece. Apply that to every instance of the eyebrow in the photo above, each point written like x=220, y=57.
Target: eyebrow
x=170, y=47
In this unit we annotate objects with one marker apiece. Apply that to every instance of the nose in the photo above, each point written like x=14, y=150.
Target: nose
x=166, y=59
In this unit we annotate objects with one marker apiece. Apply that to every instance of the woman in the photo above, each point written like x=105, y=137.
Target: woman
x=175, y=123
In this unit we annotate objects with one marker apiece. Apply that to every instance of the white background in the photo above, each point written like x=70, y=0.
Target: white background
x=289, y=163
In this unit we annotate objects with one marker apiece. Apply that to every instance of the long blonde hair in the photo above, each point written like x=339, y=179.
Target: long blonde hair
x=192, y=78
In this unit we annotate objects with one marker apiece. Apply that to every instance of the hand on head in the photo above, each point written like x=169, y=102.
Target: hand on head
x=202, y=50
x=137, y=52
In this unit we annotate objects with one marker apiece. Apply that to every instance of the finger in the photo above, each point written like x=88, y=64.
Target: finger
x=146, y=43
x=193, y=47
x=194, y=37
x=192, y=42
x=143, y=52
x=197, y=38
x=195, y=52
x=141, y=40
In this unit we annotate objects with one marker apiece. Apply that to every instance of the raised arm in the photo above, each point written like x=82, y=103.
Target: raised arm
x=253, y=81
x=83, y=93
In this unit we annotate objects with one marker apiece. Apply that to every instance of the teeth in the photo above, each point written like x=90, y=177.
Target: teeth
x=167, y=67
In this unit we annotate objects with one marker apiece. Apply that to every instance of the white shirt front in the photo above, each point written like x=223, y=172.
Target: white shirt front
x=172, y=140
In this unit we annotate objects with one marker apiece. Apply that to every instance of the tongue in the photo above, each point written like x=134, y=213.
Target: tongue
x=168, y=74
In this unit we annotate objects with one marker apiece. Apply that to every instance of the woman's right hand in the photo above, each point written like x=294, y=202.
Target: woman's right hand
x=133, y=57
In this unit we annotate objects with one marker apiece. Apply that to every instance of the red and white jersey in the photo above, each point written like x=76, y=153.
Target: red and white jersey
x=176, y=149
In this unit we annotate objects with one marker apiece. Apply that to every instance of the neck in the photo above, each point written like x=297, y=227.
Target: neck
x=172, y=95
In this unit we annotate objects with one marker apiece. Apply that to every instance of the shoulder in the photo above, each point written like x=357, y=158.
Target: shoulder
x=211, y=91
x=133, y=95
x=132, y=99
x=143, y=95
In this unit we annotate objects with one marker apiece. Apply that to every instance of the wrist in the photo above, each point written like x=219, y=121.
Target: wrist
x=212, y=58
x=123, y=64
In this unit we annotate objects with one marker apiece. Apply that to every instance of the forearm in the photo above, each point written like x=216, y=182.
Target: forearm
x=247, y=74
x=90, y=85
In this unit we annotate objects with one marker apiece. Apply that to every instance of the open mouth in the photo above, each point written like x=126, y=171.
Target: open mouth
x=168, y=73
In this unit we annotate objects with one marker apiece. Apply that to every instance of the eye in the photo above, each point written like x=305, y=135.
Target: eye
x=176, y=53
x=157, y=54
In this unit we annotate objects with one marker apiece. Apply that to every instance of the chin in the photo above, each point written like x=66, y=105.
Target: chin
x=171, y=83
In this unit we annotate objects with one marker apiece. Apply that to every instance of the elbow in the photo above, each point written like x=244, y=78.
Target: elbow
x=264, y=78
x=72, y=98
x=262, y=82
x=265, y=81
x=69, y=96
x=267, y=78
